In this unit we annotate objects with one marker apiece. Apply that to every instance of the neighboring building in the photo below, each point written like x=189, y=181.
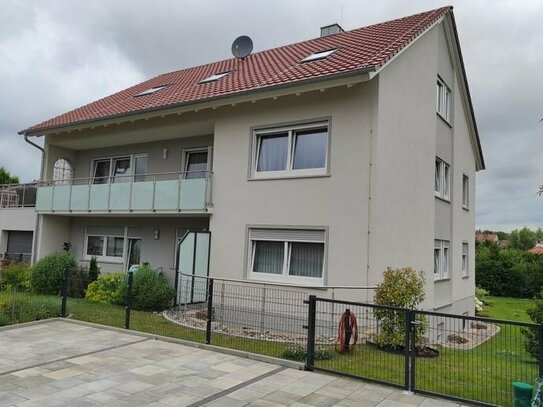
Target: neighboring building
x=314, y=164
x=536, y=249
x=481, y=237
x=17, y=221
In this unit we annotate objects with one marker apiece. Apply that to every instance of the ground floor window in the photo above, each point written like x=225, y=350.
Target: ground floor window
x=108, y=248
x=113, y=244
x=296, y=256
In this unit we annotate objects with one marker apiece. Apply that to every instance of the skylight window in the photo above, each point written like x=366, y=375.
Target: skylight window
x=215, y=77
x=151, y=90
x=319, y=55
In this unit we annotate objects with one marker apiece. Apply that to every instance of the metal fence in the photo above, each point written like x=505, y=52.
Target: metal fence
x=464, y=358
x=18, y=195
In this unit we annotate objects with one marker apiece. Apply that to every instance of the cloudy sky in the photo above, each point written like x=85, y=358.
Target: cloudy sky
x=58, y=55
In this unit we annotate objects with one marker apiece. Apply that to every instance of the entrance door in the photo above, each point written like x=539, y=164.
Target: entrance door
x=193, y=267
x=134, y=252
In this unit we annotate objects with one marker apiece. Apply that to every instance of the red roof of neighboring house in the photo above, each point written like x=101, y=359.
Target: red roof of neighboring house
x=359, y=49
x=536, y=250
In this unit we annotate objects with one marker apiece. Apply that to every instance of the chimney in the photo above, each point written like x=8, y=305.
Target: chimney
x=331, y=30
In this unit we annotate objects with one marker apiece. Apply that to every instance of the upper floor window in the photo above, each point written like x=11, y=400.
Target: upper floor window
x=196, y=162
x=441, y=259
x=63, y=172
x=442, y=179
x=465, y=192
x=444, y=100
x=291, y=151
x=119, y=169
x=465, y=259
x=287, y=255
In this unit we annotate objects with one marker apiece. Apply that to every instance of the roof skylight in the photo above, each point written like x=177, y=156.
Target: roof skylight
x=215, y=77
x=151, y=90
x=319, y=55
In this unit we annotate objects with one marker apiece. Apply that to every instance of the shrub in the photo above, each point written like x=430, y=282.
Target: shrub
x=94, y=270
x=15, y=275
x=298, y=353
x=47, y=275
x=403, y=288
x=108, y=288
x=78, y=280
x=151, y=291
x=531, y=337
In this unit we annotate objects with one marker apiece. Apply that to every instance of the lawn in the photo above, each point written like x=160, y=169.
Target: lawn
x=483, y=373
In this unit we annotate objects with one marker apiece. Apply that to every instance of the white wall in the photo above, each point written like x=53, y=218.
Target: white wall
x=15, y=219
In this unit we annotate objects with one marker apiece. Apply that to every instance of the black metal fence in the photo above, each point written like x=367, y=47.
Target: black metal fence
x=465, y=358
x=458, y=357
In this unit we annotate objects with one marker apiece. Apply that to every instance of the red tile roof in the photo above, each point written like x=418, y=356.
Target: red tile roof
x=536, y=250
x=359, y=49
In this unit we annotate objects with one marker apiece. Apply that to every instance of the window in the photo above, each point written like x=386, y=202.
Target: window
x=150, y=91
x=295, y=256
x=119, y=169
x=444, y=99
x=62, y=172
x=196, y=164
x=465, y=259
x=300, y=150
x=465, y=192
x=442, y=179
x=215, y=77
x=319, y=55
x=441, y=259
x=108, y=248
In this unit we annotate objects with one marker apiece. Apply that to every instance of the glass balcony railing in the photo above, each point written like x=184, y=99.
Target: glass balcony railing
x=166, y=192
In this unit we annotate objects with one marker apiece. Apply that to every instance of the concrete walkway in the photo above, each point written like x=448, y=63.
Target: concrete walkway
x=59, y=363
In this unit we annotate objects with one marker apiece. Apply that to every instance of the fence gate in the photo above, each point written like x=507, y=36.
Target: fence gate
x=193, y=259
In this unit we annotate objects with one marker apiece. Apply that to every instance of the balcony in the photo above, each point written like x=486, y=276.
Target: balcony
x=18, y=195
x=185, y=192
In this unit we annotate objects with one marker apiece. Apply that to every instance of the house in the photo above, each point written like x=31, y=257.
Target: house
x=538, y=249
x=17, y=221
x=481, y=237
x=315, y=164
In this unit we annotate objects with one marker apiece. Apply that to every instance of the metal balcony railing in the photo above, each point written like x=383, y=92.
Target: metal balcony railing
x=160, y=192
x=18, y=195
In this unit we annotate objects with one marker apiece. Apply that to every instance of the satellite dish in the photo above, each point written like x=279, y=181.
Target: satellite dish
x=242, y=46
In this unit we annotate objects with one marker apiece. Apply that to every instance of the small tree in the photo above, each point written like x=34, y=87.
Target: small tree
x=401, y=288
x=94, y=270
x=531, y=336
x=7, y=178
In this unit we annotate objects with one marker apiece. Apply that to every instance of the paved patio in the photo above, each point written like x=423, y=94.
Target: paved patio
x=61, y=363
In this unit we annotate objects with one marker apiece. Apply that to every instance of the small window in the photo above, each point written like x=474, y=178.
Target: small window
x=119, y=169
x=196, y=164
x=441, y=259
x=62, y=172
x=295, y=256
x=292, y=151
x=444, y=99
x=95, y=245
x=465, y=192
x=105, y=248
x=465, y=259
x=151, y=90
x=215, y=77
x=319, y=55
x=442, y=179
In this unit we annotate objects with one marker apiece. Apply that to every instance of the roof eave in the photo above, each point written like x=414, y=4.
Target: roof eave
x=223, y=99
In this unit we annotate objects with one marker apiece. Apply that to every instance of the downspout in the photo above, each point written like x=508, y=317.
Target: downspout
x=37, y=227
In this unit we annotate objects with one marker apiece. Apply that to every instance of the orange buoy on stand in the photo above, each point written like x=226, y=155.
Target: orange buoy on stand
x=347, y=332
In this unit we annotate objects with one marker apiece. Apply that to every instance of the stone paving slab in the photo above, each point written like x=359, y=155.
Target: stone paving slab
x=60, y=363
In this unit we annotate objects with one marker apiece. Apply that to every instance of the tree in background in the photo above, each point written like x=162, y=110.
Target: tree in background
x=7, y=178
x=502, y=235
x=523, y=239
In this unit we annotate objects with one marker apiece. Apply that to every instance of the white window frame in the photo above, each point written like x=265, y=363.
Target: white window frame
x=104, y=257
x=442, y=268
x=319, y=55
x=284, y=277
x=63, y=167
x=442, y=179
x=131, y=157
x=291, y=139
x=152, y=90
x=185, y=154
x=215, y=77
x=465, y=259
x=443, y=100
x=465, y=191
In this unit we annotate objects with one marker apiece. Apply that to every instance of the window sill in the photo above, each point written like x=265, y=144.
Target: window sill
x=442, y=199
x=439, y=280
x=283, y=177
x=465, y=277
x=466, y=208
x=287, y=281
x=444, y=120
x=103, y=261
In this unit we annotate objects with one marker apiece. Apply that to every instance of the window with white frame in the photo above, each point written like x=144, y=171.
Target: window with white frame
x=119, y=169
x=287, y=255
x=444, y=100
x=465, y=192
x=442, y=179
x=465, y=259
x=441, y=259
x=291, y=151
x=196, y=162
x=63, y=172
x=105, y=248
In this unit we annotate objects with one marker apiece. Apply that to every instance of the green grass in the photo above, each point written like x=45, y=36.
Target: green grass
x=512, y=309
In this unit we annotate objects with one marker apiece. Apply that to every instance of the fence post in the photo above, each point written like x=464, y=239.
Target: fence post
x=409, y=351
x=127, y=300
x=64, y=293
x=413, y=346
x=540, y=359
x=311, y=316
x=209, y=309
x=176, y=285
